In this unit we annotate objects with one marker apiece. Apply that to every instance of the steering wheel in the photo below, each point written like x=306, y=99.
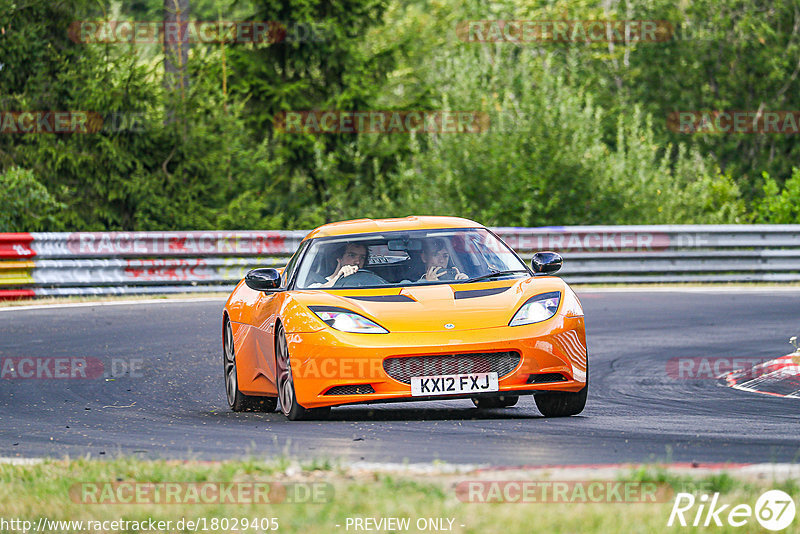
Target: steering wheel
x=360, y=278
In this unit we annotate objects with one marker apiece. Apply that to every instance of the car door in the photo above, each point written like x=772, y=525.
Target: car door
x=264, y=315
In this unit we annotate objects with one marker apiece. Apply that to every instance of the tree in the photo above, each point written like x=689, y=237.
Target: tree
x=27, y=205
x=319, y=60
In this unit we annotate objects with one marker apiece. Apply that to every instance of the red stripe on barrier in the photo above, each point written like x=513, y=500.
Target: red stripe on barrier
x=15, y=246
x=16, y=294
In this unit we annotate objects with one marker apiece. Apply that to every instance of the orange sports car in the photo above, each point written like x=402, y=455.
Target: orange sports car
x=413, y=309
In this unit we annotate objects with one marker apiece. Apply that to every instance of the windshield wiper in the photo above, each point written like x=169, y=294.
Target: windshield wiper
x=496, y=273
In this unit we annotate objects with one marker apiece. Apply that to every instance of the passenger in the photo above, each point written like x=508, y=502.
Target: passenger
x=437, y=263
x=352, y=257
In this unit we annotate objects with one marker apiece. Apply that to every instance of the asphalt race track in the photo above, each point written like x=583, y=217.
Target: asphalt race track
x=174, y=405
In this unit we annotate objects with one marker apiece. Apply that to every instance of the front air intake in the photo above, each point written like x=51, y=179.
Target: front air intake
x=545, y=378
x=356, y=389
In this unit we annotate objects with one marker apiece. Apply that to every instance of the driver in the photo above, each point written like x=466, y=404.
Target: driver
x=437, y=259
x=351, y=258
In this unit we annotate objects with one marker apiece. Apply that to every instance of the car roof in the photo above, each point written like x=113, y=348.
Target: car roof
x=366, y=226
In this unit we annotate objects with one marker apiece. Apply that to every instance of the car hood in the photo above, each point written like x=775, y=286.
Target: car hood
x=440, y=307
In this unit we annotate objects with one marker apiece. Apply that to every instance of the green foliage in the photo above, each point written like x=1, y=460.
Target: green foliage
x=27, y=205
x=723, y=55
x=578, y=130
x=324, y=62
x=547, y=160
x=779, y=205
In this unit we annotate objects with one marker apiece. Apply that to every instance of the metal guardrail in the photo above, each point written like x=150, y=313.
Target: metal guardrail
x=81, y=263
x=667, y=253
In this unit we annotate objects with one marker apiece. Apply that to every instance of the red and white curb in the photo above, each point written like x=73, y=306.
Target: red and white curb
x=779, y=377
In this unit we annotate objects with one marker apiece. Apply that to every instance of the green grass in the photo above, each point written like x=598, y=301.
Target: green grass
x=31, y=491
x=679, y=482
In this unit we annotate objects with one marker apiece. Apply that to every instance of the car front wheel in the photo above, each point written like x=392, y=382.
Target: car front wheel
x=285, y=383
x=562, y=403
x=238, y=401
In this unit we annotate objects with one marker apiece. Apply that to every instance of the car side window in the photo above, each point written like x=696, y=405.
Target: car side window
x=292, y=265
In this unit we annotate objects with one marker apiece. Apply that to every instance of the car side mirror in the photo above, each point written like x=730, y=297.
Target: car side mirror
x=546, y=262
x=263, y=279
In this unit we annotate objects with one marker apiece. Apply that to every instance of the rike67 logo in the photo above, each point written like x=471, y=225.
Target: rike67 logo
x=774, y=510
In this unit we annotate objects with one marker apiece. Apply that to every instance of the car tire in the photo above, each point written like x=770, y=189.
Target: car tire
x=285, y=383
x=505, y=401
x=238, y=401
x=562, y=403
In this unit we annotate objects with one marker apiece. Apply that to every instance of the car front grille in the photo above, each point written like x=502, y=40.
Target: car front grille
x=355, y=389
x=404, y=367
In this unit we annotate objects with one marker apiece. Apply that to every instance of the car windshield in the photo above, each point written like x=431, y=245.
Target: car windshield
x=416, y=257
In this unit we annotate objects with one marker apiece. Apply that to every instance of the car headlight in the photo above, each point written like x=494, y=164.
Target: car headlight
x=346, y=320
x=537, y=309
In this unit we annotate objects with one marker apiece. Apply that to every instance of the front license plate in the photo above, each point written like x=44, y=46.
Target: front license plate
x=453, y=384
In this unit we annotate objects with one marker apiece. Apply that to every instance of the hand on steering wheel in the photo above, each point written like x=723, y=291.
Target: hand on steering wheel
x=362, y=277
x=346, y=270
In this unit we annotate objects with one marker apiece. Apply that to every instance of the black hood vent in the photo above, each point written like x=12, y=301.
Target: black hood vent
x=473, y=293
x=381, y=298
